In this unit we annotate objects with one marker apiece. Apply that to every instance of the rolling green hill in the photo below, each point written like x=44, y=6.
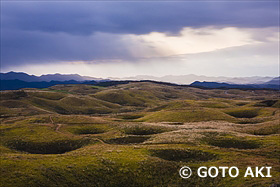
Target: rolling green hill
x=136, y=134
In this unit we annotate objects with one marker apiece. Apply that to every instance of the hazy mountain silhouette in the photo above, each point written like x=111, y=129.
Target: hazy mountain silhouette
x=18, y=80
x=276, y=81
x=20, y=76
x=177, y=79
x=188, y=79
x=237, y=86
x=49, y=77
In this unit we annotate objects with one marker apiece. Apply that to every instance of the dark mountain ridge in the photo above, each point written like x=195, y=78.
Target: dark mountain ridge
x=234, y=86
x=276, y=81
x=15, y=81
x=19, y=84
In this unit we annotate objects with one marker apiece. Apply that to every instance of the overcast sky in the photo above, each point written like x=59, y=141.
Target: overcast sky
x=118, y=39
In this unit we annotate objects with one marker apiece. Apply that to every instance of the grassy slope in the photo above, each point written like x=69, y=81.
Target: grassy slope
x=187, y=115
x=99, y=150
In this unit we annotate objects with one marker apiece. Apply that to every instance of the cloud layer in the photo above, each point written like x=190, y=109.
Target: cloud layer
x=140, y=36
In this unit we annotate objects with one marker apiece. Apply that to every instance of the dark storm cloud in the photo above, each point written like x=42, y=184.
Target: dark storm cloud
x=135, y=17
x=23, y=47
x=36, y=32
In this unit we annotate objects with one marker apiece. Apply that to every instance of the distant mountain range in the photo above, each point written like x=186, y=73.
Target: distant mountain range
x=49, y=77
x=188, y=79
x=15, y=80
x=217, y=85
x=276, y=81
x=177, y=79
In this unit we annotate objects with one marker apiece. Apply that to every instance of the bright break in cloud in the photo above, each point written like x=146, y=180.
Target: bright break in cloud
x=131, y=38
